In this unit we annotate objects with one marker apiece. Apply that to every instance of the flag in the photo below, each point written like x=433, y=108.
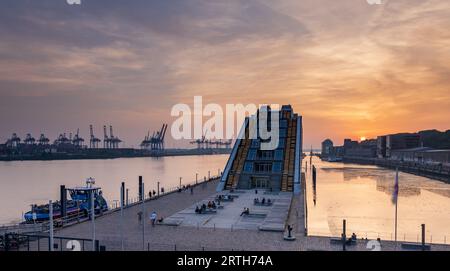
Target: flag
x=395, y=192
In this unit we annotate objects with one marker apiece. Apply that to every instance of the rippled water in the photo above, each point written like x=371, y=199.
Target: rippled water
x=363, y=196
x=28, y=182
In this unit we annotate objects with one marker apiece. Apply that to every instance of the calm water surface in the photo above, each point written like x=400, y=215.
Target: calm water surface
x=363, y=196
x=28, y=182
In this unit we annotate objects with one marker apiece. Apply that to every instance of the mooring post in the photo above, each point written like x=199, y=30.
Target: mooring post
x=143, y=219
x=314, y=174
x=196, y=178
x=50, y=214
x=158, y=189
x=63, y=199
x=180, y=182
x=93, y=219
x=423, y=237
x=141, y=192
x=122, y=202
x=344, y=237
x=127, y=202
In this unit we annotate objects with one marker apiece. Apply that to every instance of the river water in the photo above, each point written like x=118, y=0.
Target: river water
x=360, y=194
x=363, y=196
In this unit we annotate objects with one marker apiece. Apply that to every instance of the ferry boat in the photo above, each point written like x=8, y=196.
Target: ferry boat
x=78, y=206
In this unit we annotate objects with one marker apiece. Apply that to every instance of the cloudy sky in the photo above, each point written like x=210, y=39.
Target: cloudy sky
x=351, y=69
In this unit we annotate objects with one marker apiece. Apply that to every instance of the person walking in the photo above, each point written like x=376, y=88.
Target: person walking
x=153, y=218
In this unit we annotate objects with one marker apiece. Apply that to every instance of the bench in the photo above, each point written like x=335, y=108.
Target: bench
x=229, y=199
x=261, y=204
x=255, y=215
x=208, y=212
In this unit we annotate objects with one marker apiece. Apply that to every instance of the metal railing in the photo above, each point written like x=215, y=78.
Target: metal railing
x=385, y=236
x=40, y=242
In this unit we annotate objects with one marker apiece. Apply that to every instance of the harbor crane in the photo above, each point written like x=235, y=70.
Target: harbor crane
x=77, y=140
x=106, y=140
x=93, y=142
x=29, y=140
x=62, y=140
x=14, y=141
x=203, y=142
x=114, y=141
x=43, y=140
x=156, y=141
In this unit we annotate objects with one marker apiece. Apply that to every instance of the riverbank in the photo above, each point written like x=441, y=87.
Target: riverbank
x=98, y=154
x=433, y=171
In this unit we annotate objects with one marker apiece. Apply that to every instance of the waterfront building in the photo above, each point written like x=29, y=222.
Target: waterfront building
x=250, y=167
x=381, y=147
x=327, y=148
x=401, y=141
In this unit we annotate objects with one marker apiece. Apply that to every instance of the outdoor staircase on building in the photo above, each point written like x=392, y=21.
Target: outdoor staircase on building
x=238, y=163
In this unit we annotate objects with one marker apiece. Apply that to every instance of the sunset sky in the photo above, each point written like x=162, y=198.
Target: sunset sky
x=350, y=68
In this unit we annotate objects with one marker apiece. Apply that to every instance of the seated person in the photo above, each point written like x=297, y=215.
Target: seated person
x=245, y=212
x=209, y=205
x=354, y=237
x=213, y=205
x=263, y=201
x=269, y=201
x=161, y=220
x=197, y=210
x=203, y=207
x=256, y=201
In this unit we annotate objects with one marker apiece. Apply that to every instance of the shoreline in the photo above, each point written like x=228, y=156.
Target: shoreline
x=417, y=169
x=113, y=154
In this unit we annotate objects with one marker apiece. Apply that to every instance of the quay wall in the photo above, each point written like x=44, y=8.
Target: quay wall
x=95, y=154
x=433, y=171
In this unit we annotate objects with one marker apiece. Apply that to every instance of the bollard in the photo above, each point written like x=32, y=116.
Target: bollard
x=140, y=189
x=344, y=238
x=423, y=237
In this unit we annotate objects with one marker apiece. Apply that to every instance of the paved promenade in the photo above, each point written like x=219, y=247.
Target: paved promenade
x=191, y=238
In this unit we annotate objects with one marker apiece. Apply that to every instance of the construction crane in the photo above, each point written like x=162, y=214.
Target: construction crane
x=93, y=142
x=77, y=140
